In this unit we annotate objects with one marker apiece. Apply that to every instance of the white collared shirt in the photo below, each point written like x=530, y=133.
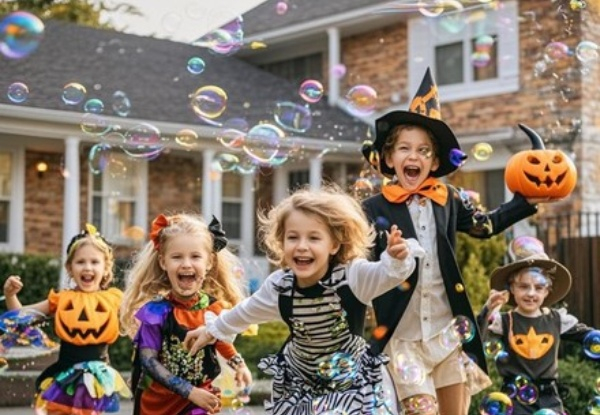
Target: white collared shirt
x=428, y=311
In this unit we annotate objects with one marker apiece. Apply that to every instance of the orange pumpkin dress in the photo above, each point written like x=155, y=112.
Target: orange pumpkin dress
x=82, y=382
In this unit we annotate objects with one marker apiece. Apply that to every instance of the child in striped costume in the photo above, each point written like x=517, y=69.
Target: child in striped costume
x=320, y=239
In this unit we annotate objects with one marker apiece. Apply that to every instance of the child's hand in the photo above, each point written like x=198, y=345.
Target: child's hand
x=243, y=377
x=536, y=200
x=12, y=286
x=206, y=400
x=497, y=299
x=396, y=244
x=197, y=339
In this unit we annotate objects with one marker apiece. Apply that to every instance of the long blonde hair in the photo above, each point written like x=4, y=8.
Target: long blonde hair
x=146, y=279
x=341, y=213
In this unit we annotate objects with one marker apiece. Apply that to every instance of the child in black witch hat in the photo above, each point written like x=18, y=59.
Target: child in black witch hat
x=531, y=332
x=415, y=148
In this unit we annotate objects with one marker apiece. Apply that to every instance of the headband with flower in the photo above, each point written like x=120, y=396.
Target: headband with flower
x=89, y=230
x=161, y=221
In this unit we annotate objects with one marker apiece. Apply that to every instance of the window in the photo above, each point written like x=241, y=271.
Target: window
x=232, y=206
x=472, y=57
x=119, y=199
x=298, y=179
x=6, y=166
x=297, y=70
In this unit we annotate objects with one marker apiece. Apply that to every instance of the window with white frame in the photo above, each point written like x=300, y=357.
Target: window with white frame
x=472, y=54
x=231, y=213
x=6, y=165
x=118, y=199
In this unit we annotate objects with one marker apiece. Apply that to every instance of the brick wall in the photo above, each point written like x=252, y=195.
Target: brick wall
x=43, y=204
x=175, y=185
x=546, y=101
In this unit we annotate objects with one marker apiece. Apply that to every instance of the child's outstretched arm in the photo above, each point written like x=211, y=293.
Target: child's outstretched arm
x=12, y=286
x=260, y=307
x=370, y=279
x=494, y=303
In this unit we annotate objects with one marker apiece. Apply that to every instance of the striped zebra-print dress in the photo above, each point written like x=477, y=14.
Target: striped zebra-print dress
x=324, y=369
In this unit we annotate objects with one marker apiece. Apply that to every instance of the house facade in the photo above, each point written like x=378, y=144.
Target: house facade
x=63, y=166
x=535, y=71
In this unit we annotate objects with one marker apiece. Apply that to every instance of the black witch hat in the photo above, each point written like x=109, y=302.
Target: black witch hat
x=424, y=111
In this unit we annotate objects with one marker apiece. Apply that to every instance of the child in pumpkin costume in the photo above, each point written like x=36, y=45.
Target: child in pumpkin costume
x=531, y=332
x=86, y=320
x=414, y=149
x=320, y=239
x=182, y=274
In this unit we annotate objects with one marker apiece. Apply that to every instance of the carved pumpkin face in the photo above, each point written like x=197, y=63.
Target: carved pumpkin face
x=531, y=345
x=84, y=319
x=539, y=172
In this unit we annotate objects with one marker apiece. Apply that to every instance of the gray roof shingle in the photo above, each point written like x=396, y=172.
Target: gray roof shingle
x=153, y=73
x=264, y=17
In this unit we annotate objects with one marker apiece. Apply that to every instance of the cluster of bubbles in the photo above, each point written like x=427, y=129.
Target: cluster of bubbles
x=522, y=389
x=23, y=327
x=338, y=372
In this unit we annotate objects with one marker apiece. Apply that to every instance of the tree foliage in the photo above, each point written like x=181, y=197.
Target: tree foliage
x=84, y=12
x=477, y=259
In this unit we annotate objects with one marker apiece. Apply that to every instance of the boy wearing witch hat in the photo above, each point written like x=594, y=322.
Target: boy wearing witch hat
x=414, y=149
x=531, y=332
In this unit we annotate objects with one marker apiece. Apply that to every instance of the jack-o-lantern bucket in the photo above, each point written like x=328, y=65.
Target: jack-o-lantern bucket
x=540, y=172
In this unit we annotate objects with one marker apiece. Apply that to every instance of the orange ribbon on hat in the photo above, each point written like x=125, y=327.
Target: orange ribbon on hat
x=158, y=225
x=431, y=188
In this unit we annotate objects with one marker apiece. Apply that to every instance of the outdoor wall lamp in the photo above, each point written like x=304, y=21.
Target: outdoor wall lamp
x=41, y=168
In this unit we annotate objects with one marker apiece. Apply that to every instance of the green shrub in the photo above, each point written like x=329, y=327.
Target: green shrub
x=270, y=339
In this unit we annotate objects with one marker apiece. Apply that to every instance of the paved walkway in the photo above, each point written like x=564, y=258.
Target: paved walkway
x=127, y=409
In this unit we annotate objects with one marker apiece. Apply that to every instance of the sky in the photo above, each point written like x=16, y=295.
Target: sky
x=179, y=20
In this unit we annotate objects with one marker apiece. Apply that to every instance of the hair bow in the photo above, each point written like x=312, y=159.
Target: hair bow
x=158, y=224
x=219, y=239
x=89, y=230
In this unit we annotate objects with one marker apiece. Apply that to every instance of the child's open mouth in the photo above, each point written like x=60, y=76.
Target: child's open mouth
x=412, y=172
x=187, y=281
x=303, y=261
x=87, y=279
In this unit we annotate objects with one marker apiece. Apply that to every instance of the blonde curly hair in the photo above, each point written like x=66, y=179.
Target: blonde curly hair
x=339, y=211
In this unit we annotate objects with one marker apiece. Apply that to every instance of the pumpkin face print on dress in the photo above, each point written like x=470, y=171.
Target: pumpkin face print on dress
x=531, y=345
x=540, y=173
x=84, y=318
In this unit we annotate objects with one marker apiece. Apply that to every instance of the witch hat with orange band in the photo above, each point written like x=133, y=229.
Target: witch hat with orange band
x=424, y=111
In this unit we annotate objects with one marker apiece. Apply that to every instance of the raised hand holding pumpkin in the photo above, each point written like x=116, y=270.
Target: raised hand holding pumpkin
x=540, y=174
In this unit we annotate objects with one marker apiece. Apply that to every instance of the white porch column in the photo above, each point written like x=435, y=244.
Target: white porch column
x=333, y=37
x=316, y=172
x=280, y=184
x=207, y=184
x=248, y=216
x=70, y=200
x=217, y=196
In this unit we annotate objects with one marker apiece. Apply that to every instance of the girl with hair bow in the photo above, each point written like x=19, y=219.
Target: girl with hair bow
x=184, y=273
